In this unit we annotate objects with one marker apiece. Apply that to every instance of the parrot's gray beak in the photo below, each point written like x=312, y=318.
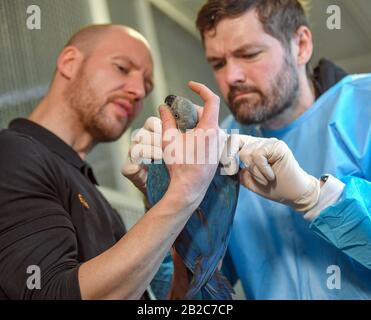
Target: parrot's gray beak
x=170, y=99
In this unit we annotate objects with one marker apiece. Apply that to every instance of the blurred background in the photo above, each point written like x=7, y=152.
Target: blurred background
x=28, y=57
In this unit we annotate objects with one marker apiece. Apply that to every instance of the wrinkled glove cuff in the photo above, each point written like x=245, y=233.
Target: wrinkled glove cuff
x=309, y=199
x=331, y=191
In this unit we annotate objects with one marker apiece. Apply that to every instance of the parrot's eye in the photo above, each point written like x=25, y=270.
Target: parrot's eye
x=176, y=116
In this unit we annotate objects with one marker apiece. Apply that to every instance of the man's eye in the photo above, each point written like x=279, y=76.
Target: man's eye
x=218, y=66
x=252, y=55
x=122, y=69
x=148, y=86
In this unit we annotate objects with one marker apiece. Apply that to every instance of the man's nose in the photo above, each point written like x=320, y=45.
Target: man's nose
x=235, y=73
x=135, y=86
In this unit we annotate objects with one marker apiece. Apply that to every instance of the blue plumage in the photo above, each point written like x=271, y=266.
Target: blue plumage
x=203, y=241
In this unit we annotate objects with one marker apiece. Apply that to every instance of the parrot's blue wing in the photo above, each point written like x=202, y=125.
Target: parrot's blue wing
x=157, y=182
x=203, y=241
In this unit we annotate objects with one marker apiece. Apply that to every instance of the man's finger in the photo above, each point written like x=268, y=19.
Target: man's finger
x=153, y=124
x=167, y=119
x=230, y=155
x=262, y=164
x=151, y=152
x=210, y=115
x=146, y=137
x=139, y=152
x=200, y=111
x=130, y=169
x=257, y=175
x=247, y=180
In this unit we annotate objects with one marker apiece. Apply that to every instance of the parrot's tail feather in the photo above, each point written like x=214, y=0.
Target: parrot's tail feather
x=219, y=287
x=181, y=278
x=199, y=279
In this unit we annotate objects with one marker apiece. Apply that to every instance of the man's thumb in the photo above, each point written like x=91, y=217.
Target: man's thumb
x=167, y=119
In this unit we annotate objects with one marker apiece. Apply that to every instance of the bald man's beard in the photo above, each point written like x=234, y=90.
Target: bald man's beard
x=90, y=111
x=259, y=106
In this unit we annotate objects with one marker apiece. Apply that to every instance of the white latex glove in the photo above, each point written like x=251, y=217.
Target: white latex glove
x=230, y=156
x=146, y=146
x=273, y=172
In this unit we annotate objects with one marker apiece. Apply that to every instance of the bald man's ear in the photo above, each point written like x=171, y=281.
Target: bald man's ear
x=303, y=45
x=69, y=61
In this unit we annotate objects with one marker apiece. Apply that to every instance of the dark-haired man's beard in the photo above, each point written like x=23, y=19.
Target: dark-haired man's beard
x=90, y=111
x=259, y=107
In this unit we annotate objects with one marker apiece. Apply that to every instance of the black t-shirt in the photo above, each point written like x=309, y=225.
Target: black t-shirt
x=52, y=216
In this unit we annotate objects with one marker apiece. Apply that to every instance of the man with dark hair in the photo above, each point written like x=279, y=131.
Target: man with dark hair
x=53, y=219
x=259, y=51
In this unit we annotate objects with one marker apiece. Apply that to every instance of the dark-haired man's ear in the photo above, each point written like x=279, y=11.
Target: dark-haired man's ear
x=69, y=61
x=303, y=43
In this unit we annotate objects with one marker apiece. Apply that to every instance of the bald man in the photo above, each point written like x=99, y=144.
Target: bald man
x=59, y=237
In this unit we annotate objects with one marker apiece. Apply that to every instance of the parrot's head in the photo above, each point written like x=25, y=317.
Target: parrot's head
x=184, y=112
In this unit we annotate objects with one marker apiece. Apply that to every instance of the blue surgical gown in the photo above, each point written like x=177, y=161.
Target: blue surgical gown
x=279, y=255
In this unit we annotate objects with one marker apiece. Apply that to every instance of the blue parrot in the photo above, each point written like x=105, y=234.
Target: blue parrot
x=203, y=242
